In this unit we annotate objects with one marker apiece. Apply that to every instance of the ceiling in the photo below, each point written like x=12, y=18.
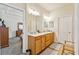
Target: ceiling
x=52, y=6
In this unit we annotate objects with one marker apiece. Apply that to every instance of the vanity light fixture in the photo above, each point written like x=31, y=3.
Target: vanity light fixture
x=33, y=12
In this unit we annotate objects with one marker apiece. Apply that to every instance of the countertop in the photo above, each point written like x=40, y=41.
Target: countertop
x=38, y=34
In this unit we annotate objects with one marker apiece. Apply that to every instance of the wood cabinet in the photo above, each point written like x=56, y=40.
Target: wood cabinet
x=4, y=37
x=38, y=43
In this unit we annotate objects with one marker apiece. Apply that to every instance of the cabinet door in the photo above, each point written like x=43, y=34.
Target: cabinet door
x=48, y=39
x=5, y=34
x=38, y=45
x=43, y=42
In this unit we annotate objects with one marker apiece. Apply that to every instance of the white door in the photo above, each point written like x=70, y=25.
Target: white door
x=65, y=29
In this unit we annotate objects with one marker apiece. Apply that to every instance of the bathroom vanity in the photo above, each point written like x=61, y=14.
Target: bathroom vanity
x=40, y=41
